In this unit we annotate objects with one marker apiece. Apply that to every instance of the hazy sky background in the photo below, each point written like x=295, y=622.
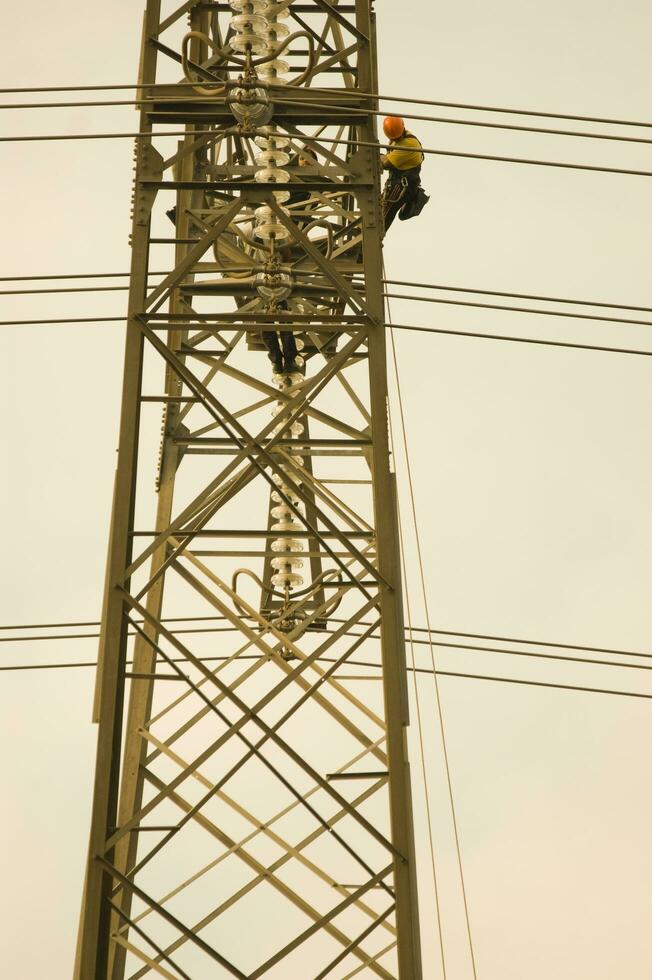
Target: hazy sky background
x=531, y=465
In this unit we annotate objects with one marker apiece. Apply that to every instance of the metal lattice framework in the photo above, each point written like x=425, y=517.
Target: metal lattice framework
x=252, y=812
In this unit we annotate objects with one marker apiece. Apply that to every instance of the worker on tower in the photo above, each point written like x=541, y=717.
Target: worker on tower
x=403, y=193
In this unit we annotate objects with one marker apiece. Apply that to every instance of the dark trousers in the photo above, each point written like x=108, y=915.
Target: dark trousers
x=271, y=341
x=400, y=188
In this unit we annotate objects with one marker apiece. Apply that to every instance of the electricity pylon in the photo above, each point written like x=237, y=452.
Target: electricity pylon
x=252, y=813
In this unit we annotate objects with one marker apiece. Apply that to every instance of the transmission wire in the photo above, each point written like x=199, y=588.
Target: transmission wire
x=415, y=680
x=347, y=92
x=57, y=137
x=432, y=653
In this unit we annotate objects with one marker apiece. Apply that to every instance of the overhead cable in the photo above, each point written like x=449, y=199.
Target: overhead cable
x=424, y=596
x=397, y=326
x=458, y=647
x=417, y=700
x=510, y=127
x=519, y=309
x=521, y=340
x=389, y=282
x=483, y=108
x=616, y=651
x=434, y=152
x=532, y=296
x=355, y=93
x=360, y=663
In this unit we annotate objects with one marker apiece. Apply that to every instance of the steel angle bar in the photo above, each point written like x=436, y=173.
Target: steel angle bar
x=291, y=850
x=253, y=714
x=328, y=268
x=194, y=811
x=272, y=393
x=163, y=956
x=140, y=955
x=171, y=919
x=335, y=15
x=248, y=445
x=254, y=749
x=198, y=142
x=326, y=63
x=355, y=521
x=212, y=749
x=354, y=398
x=296, y=608
x=287, y=640
x=374, y=959
x=187, y=725
x=260, y=827
x=267, y=873
x=274, y=881
x=310, y=690
x=161, y=292
x=175, y=16
x=289, y=414
x=343, y=905
x=321, y=41
x=356, y=942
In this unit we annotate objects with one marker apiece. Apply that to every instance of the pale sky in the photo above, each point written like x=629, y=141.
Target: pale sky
x=531, y=466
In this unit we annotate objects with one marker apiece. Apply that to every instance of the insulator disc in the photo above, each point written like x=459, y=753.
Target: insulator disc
x=272, y=175
x=285, y=526
x=276, y=11
x=287, y=561
x=272, y=140
x=267, y=225
x=275, y=68
x=252, y=113
x=287, y=580
x=272, y=158
x=259, y=7
x=276, y=497
x=250, y=23
x=287, y=545
x=280, y=481
x=277, y=31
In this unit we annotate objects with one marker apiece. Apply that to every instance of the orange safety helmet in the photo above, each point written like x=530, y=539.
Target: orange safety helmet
x=394, y=127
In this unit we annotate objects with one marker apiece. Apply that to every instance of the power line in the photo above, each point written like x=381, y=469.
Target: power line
x=535, y=643
x=431, y=646
x=62, y=320
x=68, y=289
x=532, y=296
x=486, y=108
x=430, y=151
x=423, y=299
x=461, y=647
x=76, y=275
x=417, y=700
x=616, y=651
x=521, y=340
x=519, y=309
x=389, y=282
x=397, y=326
x=510, y=127
x=346, y=92
x=362, y=663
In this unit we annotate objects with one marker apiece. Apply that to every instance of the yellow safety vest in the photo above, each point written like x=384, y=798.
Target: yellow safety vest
x=405, y=153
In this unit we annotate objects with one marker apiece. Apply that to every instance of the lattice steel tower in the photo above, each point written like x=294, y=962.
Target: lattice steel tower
x=252, y=813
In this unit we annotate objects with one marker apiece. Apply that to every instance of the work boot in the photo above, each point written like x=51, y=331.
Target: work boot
x=291, y=367
x=277, y=363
